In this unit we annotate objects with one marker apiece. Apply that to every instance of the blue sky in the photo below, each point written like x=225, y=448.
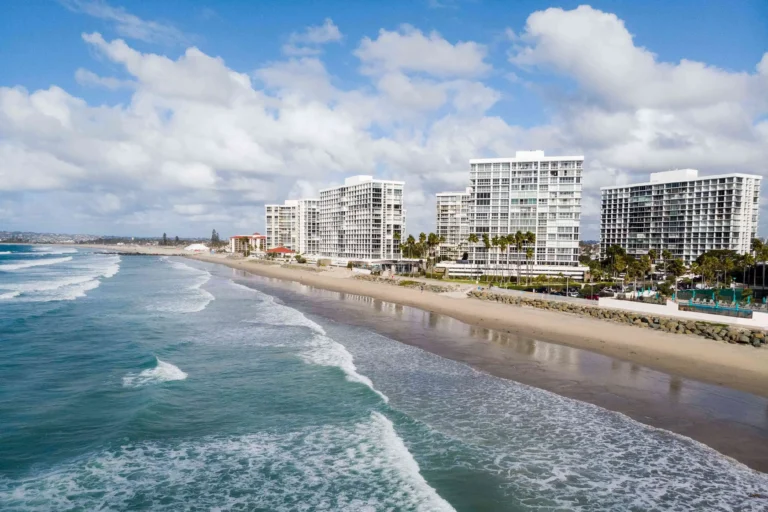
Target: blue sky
x=108, y=124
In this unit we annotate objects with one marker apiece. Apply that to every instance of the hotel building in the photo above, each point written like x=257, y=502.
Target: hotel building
x=681, y=212
x=452, y=221
x=363, y=219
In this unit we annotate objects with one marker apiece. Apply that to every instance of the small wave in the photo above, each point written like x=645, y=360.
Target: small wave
x=325, y=351
x=162, y=372
x=53, y=250
x=9, y=295
x=36, y=263
x=5, y=252
x=191, y=299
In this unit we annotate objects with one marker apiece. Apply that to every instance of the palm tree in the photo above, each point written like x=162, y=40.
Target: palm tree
x=528, y=256
x=530, y=240
x=519, y=241
x=487, y=244
x=411, y=243
x=758, y=248
x=472, y=239
x=503, y=244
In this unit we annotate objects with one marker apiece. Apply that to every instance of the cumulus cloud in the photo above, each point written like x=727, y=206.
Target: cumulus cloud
x=632, y=113
x=410, y=50
x=200, y=143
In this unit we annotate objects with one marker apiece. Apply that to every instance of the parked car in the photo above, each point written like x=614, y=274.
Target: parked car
x=573, y=294
x=592, y=297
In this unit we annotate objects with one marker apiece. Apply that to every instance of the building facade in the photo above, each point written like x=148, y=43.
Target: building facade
x=253, y=244
x=681, y=212
x=528, y=193
x=282, y=225
x=453, y=222
x=308, y=218
x=364, y=219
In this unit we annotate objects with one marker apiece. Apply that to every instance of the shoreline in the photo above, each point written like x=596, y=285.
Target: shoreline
x=743, y=368
x=734, y=366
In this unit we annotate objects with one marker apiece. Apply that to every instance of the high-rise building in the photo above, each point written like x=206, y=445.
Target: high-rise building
x=294, y=225
x=453, y=221
x=282, y=225
x=363, y=219
x=309, y=226
x=681, y=212
x=528, y=193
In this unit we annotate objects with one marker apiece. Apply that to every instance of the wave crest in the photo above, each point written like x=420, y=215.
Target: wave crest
x=161, y=372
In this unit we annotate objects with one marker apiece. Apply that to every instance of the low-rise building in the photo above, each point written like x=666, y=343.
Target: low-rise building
x=253, y=244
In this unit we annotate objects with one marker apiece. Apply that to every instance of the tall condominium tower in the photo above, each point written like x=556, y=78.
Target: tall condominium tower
x=282, y=225
x=309, y=226
x=452, y=221
x=528, y=193
x=294, y=225
x=362, y=219
x=681, y=212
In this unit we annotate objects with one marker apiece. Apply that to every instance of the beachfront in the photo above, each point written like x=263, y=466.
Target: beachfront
x=739, y=367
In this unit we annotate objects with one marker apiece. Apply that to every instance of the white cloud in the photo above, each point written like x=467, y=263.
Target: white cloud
x=199, y=143
x=632, y=113
x=409, y=50
x=91, y=79
x=127, y=24
x=308, y=42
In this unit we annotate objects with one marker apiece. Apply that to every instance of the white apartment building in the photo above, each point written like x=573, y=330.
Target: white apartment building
x=528, y=193
x=453, y=221
x=294, y=225
x=681, y=212
x=309, y=226
x=362, y=219
x=282, y=225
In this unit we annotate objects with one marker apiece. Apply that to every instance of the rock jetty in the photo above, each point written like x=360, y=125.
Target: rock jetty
x=714, y=331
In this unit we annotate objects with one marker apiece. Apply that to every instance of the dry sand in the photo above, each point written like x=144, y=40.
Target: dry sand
x=736, y=366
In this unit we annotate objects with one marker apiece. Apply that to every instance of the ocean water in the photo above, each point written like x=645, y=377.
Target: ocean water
x=150, y=383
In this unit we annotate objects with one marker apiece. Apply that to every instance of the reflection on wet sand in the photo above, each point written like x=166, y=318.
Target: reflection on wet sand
x=733, y=422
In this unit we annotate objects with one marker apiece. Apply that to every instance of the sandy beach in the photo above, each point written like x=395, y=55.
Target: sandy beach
x=740, y=367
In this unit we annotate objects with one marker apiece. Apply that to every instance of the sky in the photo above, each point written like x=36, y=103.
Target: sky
x=139, y=118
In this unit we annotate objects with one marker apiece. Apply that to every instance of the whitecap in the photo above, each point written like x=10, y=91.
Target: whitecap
x=324, y=351
x=191, y=299
x=5, y=252
x=9, y=295
x=91, y=271
x=361, y=467
x=36, y=263
x=161, y=372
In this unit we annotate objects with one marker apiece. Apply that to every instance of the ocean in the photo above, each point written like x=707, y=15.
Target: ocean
x=156, y=383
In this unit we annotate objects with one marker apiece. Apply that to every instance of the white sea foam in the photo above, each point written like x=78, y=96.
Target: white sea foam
x=161, y=372
x=319, y=349
x=325, y=351
x=9, y=295
x=190, y=299
x=5, y=252
x=88, y=275
x=360, y=467
x=35, y=263
x=52, y=250
x=548, y=451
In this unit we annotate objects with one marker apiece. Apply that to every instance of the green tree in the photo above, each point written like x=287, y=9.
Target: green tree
x=165, y=240
x=503, y=244
x=518, y=240
x=176, y=240
x=487, y=244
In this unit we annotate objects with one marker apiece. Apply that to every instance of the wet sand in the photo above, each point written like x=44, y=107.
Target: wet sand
x=735, y=366
x=732, y=422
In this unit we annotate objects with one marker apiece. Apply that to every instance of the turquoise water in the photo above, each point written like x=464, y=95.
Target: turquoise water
x=147, y=383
